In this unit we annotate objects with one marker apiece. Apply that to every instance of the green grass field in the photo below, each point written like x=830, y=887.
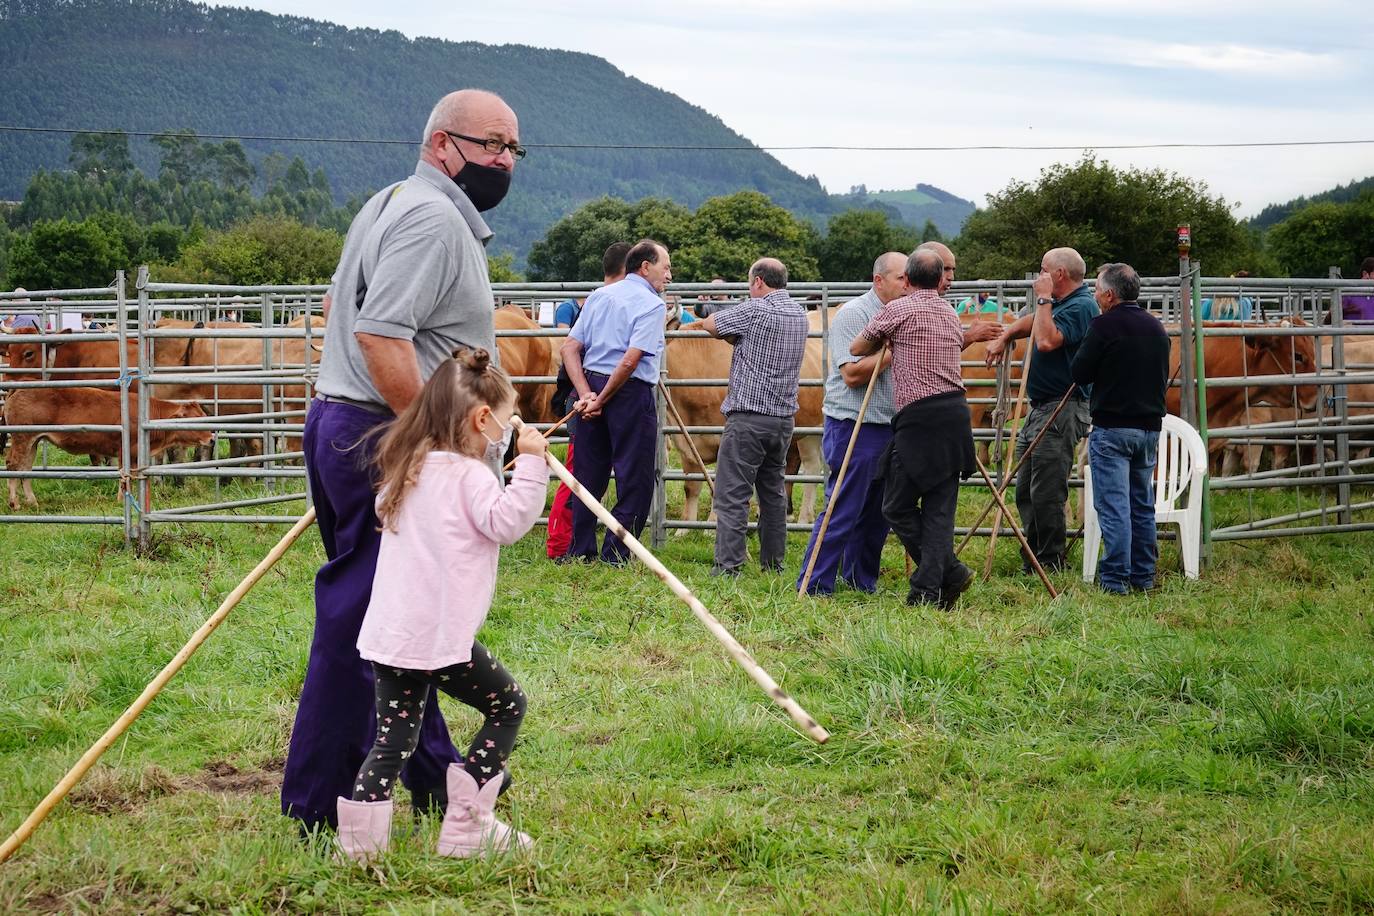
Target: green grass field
x=1207, y=748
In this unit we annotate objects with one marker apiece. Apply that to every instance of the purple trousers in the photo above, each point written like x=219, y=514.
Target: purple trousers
x=853, y=545
x=335, y=723
x=622, y=439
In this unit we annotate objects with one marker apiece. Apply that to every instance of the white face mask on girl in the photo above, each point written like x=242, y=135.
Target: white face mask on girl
x=496, y=449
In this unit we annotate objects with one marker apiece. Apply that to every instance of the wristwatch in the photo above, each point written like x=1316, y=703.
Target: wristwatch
x=1043, y=301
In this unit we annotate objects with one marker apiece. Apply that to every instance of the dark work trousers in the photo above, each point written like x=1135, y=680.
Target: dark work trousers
x=335, y=722
x=622, y=439
x=752, y=458
x=924, y=521
x=853, y=546
x=1042, y=484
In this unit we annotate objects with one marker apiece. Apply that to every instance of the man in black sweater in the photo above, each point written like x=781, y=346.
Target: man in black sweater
x=1125, y=357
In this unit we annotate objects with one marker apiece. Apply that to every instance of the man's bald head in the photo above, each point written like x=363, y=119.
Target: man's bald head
x=946, y=255
x=771, y=272
x=1067, y=260
x=925, y=269
x=465, y=112
x=889, y=276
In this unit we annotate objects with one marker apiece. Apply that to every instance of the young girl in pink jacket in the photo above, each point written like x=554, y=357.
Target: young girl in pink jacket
x=444, y=516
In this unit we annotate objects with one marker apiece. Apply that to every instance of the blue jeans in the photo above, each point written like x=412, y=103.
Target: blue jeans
x=1123, y=467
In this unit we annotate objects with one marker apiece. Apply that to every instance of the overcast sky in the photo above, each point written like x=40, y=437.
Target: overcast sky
x=879, y=72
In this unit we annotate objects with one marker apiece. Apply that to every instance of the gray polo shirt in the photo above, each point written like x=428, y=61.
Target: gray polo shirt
x=414, y=267
x=841, y=401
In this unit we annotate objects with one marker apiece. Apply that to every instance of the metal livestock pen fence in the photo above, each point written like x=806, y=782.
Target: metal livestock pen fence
x=263, y=422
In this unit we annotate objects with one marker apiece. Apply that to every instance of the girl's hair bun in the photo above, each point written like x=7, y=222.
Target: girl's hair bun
x=474, y=360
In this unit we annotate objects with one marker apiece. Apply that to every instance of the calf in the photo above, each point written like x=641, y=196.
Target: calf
x=86, y=406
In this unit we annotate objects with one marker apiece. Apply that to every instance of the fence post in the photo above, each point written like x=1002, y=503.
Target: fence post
x=1200, y=361
x=1187, y=395
x=145, y=501
x=268, y=439
x=1340, y=400
x=658, y=510
x=125, y=482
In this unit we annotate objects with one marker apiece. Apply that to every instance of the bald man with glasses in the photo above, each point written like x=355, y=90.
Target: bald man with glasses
x=411, y=287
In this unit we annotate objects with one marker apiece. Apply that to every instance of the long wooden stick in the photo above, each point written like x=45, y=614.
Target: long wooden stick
x=839, y=478
x=546, y=434
x=691, y=443
x=1015, y=528
x=154, y=687
x=1006, y=458
x=993, y=503
x=737, y=652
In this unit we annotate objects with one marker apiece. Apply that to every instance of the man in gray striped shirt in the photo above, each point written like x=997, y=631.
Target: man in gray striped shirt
x=768, y=332
x=853, y=544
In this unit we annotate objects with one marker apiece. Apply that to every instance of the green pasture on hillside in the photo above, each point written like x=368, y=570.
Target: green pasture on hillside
x=1205, y=748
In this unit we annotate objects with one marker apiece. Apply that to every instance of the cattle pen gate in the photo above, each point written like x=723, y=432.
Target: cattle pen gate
x=264, y=352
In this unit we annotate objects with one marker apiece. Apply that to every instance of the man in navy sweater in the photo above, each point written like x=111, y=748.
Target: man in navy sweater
x=1125, y=357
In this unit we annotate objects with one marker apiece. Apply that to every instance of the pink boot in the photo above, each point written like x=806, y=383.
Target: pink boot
x=364, y=828
x=470, y=825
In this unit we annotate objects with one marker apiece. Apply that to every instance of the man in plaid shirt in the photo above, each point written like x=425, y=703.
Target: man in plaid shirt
x=932, y=444
x=768, y=332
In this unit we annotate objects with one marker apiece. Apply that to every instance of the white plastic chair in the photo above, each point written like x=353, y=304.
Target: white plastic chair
x=1179, y=470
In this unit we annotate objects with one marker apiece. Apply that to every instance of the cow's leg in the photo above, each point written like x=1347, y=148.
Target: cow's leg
x=691, y=500
x=20, y=458
x=813, y=464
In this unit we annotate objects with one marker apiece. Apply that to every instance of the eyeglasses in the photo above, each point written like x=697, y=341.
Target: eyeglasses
x=492, y=145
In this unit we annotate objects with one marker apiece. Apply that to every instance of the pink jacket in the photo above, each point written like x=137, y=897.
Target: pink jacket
x=436, y=573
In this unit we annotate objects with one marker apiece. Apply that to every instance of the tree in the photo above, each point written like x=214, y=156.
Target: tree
x=501, y=269
x=855, y=238
x=1107, y=215
x=1324, y=235
x=181, y=157
x=729, y=233
x=61, y=254
x=265, y=250
x=99, y=155
x=573, y=247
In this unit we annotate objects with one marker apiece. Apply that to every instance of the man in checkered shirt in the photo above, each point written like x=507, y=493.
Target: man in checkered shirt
x=932, y=442
x=768, y=332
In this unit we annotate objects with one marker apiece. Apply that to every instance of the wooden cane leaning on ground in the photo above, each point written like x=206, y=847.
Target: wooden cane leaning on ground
x=1015, y=528
x=839, y=478
x=1006, y=458
x=691, y=443
x=154, y=687
x=992, y=504
x=741, y=655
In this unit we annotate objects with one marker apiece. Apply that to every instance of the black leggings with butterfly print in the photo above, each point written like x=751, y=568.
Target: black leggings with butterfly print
x=481, y=683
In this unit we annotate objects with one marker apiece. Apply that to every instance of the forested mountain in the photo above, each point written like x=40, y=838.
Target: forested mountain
x=915, y=206
x=1275, y=213
x=159, y=65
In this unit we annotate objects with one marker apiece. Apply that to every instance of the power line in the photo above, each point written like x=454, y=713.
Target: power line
x=1005, y=147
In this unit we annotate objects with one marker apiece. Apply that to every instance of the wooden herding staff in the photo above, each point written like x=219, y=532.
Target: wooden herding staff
x=1015, y=528
x=135, y=709
x=691, y=443
x=839, y=478
x=1000, y=491
x=1006, y=458
x=546, y=434
x=741, y=655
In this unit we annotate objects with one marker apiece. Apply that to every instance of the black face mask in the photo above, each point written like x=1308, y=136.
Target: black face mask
x=485, y=185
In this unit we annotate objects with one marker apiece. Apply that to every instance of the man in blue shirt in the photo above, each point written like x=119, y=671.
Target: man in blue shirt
x=1063, y=308
x=612, y=356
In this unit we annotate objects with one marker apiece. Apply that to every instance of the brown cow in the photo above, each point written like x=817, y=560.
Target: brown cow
x=1238, y=357
x=982, y=416
x=527, y=356
x=101, y=357
x=74, y=406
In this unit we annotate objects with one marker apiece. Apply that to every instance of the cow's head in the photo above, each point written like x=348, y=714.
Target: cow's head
x=1271, y=354
x=189, y=410
x=28, y=355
